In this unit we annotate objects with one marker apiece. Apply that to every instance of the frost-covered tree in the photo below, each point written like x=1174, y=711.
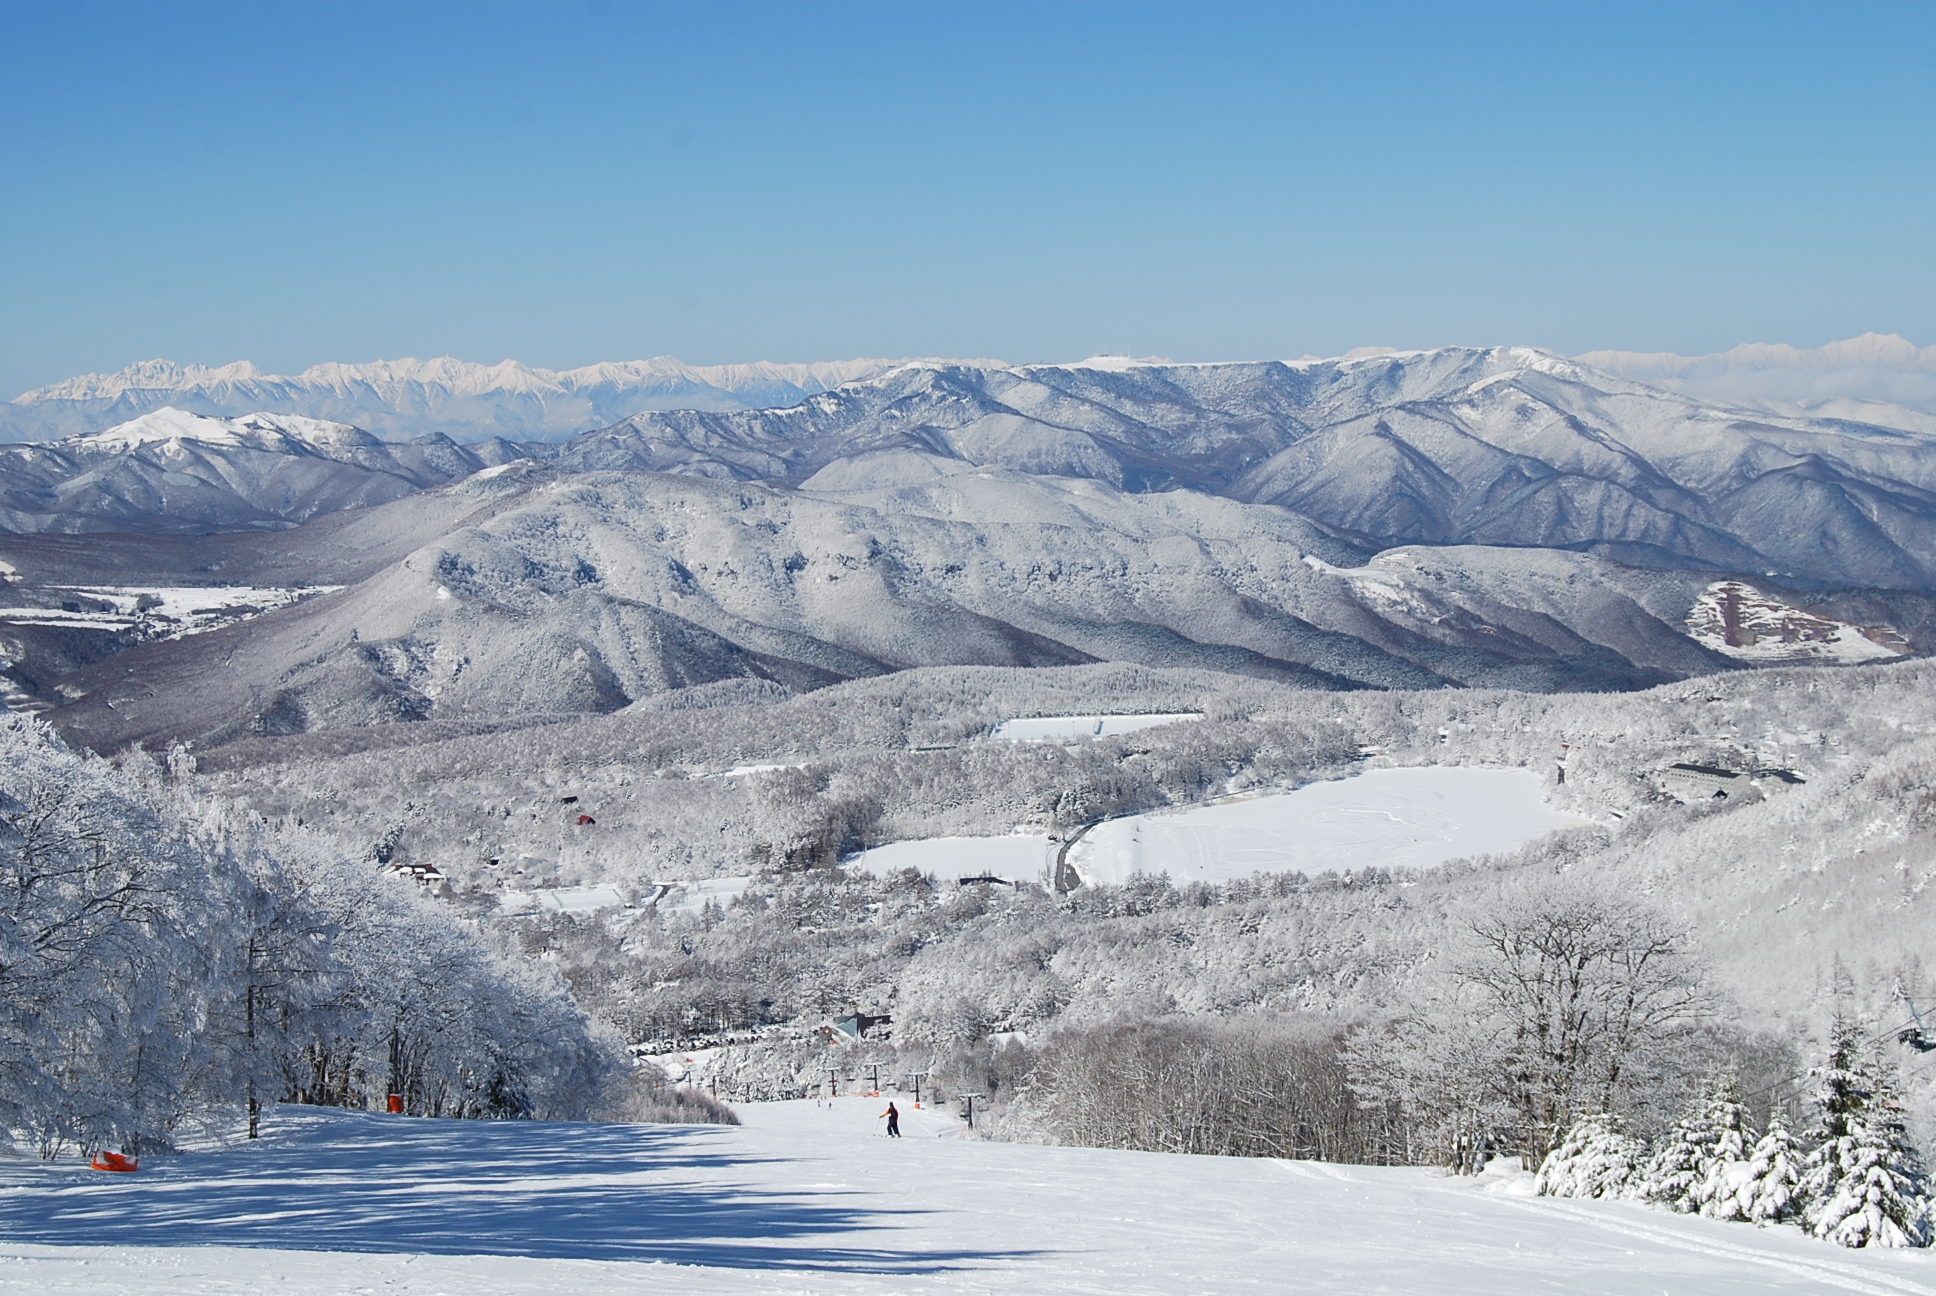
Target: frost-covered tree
x=1596, y=1158
x=1702, y=1162
x=1729, y=1159
x=1864, y=1183
x=1771, y=1189
x=1583, y=986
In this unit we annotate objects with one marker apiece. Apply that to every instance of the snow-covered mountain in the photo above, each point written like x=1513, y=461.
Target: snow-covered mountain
x=1501, y=517
x=171, y=471
x=1876, y=378
x=555, y=593
x=1503, y=446
x=401, y=399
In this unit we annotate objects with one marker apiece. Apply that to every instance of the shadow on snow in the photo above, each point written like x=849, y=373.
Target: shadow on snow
x=343, y=1181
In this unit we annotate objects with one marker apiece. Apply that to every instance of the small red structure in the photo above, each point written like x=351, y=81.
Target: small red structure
x=116, y=1162
x=396, y=1104
x=585, y=819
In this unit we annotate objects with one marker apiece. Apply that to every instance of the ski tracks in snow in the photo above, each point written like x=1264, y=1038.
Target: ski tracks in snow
x=1851, y=1278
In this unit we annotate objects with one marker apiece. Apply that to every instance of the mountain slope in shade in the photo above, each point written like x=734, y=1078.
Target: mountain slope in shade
x=402, y=399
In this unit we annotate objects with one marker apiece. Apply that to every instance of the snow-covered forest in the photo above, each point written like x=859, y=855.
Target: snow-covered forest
x=170, y=965
x=329, y=918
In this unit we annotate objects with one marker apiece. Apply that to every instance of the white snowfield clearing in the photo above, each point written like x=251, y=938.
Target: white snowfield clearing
x=171, y=612
x=1024, y=857
x=811, y=1199
x=1066, y=728
x=582, y=899
x=1388, y=818
x=1391, y=818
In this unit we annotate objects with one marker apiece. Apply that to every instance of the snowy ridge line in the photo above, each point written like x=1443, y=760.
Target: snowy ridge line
x=1864, y=1281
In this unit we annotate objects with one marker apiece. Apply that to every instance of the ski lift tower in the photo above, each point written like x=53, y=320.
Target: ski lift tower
x=833, y=1081
x=969, y=1113
x=874, y=1078
x=915, y=1078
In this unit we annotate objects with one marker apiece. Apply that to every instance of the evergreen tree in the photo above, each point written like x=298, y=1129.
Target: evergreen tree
x=1673, y=1176
x=1725, y=1173
x=1771, y=1191
x=1596, y=1158
x=1865, y=1184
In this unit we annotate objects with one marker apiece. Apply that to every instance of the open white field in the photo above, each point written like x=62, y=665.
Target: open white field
x=1066, y=728
x=1392, y=818
x=1023, y=857
x=810, y=1199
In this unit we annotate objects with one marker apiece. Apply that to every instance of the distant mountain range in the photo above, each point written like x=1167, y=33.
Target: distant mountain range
x=1876, y=379
x=400, y=399
x=1501, y=516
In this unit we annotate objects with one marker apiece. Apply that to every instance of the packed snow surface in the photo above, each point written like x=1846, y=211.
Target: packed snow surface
x=1391, y=818
x=808, y=1197
x=1062, y=728
x=1020, y=858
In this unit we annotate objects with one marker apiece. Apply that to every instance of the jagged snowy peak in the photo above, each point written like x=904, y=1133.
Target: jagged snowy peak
x=1878, y=378
x=1502, y=446
x=170, y=470
x=408, y=398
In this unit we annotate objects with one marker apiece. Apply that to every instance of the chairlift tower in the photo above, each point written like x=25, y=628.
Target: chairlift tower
x=915, y=1078
x=969, y=1114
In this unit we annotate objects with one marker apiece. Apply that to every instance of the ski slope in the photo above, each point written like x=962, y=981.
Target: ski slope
x=807, y=1199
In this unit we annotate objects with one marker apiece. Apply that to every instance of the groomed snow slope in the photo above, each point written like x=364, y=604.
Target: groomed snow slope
x=805, y=1198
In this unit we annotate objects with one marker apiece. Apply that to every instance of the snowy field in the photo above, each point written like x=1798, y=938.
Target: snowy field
x=809, y=1199
x=170, y=612
x=1392, y=818
x=1064, y=728
x=1023, y=857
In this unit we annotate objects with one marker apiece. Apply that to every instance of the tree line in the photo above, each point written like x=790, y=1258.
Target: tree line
x=169, y=964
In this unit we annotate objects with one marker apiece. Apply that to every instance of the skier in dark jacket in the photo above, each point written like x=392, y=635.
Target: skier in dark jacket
x=893, y=1121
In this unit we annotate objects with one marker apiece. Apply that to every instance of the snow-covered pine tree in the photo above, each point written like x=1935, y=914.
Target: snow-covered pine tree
x=1673, y=1176
x=1865, y=1184
x=1725, y=1173
x=1596, y=1158
x=1771, y=1191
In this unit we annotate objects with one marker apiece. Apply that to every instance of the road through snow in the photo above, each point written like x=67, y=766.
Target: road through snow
x=809, y=1199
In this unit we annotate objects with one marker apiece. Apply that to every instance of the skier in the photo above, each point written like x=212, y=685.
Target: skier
x=893, y=1121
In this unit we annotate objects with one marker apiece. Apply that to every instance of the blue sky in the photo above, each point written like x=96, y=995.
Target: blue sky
x=572, y=182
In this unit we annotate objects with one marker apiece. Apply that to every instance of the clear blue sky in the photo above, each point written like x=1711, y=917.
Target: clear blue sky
x=571, y=182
